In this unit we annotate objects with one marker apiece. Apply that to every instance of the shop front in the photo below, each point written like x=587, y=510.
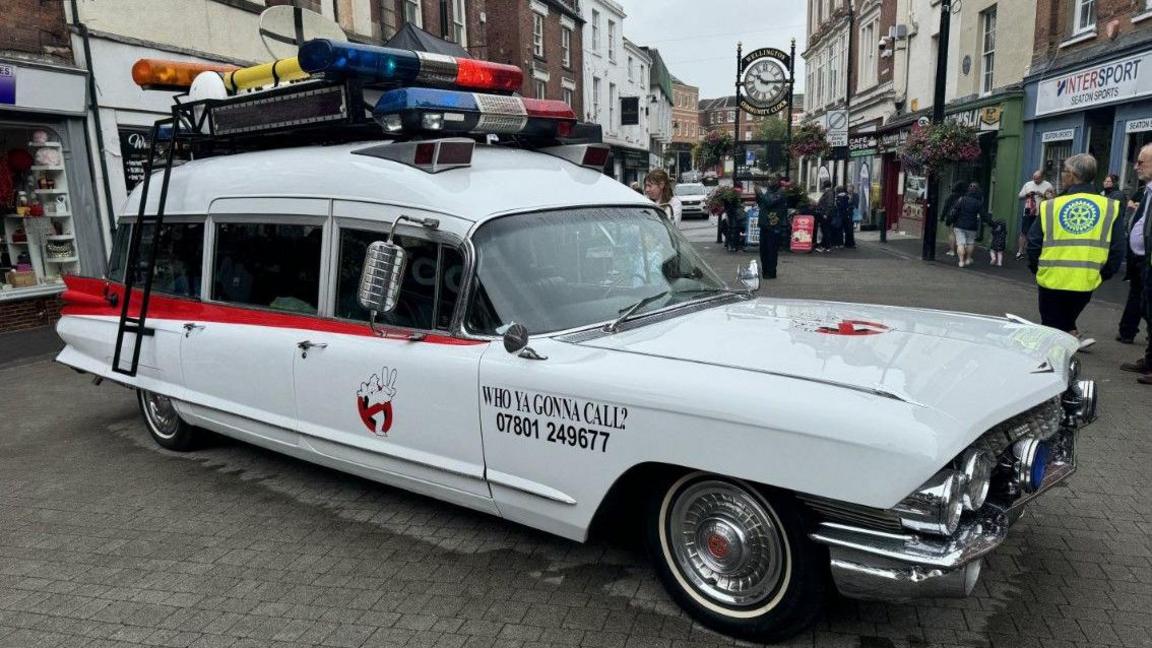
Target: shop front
x=865, y=173
x=1104, y=108
x=50, y=223
x=630, y=165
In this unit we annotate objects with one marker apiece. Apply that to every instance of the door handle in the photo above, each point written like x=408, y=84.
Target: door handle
x=191, y=326
x=304, y=345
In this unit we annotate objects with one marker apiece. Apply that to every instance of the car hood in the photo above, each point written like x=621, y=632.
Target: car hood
x=975, y=369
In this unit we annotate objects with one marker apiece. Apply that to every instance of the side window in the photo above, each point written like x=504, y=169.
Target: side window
x=180, y=251
x=428, y=293
x=266, y=265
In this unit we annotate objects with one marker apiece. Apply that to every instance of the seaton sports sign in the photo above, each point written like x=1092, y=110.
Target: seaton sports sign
x=1100, y=84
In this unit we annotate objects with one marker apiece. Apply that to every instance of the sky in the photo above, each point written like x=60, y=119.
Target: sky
x=697, y=38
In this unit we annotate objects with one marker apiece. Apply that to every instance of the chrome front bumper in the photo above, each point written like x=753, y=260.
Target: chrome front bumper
x=871, y=564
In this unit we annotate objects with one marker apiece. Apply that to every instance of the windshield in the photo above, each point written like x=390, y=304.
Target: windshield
x=558, y=270
x=689, y=190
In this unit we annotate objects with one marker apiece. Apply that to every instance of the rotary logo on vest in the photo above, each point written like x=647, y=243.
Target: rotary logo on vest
x=1079, y=216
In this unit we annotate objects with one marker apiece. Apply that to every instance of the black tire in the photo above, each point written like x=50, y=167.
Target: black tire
x=783, y=602
x=164, y=425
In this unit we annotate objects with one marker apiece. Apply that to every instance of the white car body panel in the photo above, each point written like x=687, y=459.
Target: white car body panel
x=751, y=389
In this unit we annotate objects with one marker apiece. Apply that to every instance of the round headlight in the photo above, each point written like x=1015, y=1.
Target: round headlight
x=1031, y=463
x=936, y=506
x=977, y=466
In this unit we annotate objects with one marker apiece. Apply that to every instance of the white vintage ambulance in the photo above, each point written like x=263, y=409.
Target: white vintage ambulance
x=501, y=326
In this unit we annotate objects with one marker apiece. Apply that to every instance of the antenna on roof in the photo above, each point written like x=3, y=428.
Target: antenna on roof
x=285, y=28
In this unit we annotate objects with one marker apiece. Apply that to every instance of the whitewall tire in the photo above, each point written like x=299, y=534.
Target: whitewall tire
x=164, y=423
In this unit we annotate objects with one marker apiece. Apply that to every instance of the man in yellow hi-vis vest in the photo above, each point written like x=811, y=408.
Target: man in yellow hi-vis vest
x=1076, y=242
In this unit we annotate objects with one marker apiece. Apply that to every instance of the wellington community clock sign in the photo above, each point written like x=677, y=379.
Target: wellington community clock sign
x=766, y=77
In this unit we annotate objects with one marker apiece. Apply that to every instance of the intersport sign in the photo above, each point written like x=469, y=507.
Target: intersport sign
x=1100, y=84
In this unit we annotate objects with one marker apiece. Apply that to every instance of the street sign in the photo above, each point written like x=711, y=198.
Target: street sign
x=837, y=128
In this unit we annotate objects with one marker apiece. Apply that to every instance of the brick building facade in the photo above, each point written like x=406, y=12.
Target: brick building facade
x=542, y=37
x=1090, y=86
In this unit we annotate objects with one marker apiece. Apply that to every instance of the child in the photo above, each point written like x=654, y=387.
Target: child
x=999, y=241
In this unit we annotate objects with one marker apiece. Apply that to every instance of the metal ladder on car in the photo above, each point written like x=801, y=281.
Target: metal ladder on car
x=136, y=325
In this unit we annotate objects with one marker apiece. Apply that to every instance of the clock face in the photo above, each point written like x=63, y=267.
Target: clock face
x=765, y=83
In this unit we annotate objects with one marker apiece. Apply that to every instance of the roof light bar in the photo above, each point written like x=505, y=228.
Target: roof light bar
x=432, y=156
x=376, y=64
x=160, y=74
x=448, y=111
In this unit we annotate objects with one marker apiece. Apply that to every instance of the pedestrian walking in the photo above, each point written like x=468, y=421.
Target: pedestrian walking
x=1134, y=273
x=1031, y=193
x=1140, y=238
x=1076, y=243
x=948, y=217
x=658, y=188
x=773, y=205
x=999, y=230
x=843, y=219
x=969, y=211
x=853, y=219
x=824, y=211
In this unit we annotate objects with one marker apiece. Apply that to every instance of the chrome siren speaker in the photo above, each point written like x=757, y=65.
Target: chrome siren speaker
x=381, y=277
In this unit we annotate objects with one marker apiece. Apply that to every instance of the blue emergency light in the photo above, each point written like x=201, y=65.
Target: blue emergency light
x=454, y=112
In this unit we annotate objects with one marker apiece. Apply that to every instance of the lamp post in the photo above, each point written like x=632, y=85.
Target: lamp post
x=928, y=250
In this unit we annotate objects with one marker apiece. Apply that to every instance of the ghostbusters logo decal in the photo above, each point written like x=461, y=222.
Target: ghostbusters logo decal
x=828, y=326
x=374, y=401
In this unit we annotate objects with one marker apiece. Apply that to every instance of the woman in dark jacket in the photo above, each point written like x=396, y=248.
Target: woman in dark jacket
x=967, y=215
x=958, y=189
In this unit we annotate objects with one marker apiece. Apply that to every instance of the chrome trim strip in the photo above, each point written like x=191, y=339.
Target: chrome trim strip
x=972, y=541
x=530, y=487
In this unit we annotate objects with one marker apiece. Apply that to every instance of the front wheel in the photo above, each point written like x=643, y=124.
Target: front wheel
x=736, y=557
x=164, y=424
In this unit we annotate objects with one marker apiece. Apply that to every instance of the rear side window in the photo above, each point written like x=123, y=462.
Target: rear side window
x=428, y=293
x=179, y=257
x=266, y=265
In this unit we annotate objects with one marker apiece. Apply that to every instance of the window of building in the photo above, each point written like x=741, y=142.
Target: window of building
x=568, y=96
x=541, y=89
x=538, y=35
x=596, y=100
x=412, y=12
x=868, y=46
x=731, y=116
x=642, y=77
x=460, y=22
x=631, y=72
x=612, y=106
x=1085, y=18
x=988, y=59
x=566, y=46
x=266, y=265
x=611, y=40
x=179, y=253
x=595, y=31
x=428, y=292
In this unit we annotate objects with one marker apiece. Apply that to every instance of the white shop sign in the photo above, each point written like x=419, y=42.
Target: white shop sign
x=1139, y=125
x=1104, y=83
x=1058, y=135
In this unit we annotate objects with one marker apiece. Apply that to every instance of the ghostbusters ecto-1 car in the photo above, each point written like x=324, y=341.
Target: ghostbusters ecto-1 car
x=501, y=326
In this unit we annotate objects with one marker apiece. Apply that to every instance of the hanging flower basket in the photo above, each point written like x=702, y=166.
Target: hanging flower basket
x=810, y=140
x=930, y=147
x=715, y=146
x=724, y=199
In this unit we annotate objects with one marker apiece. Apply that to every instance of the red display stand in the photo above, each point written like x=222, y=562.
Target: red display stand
x=803, y=230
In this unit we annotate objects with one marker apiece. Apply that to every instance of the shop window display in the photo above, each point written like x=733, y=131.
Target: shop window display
x=37, y=240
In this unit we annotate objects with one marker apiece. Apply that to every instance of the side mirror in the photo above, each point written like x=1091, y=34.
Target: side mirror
x=516, y=341
x=749, y=276
x=381, y=277
x=515, y=338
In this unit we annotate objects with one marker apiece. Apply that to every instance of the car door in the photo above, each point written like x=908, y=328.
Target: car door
x=404, y=401
x=262, y=298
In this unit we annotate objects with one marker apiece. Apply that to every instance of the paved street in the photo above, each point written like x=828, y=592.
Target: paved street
x=107, y=540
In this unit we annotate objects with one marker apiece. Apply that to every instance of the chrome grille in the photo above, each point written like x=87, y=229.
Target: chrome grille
x=854, y=514
x=500, y=124
x=500, y=105
x=1041, y=421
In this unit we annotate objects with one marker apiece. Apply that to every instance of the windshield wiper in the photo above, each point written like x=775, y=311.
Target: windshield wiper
x=612, y=326
x=726, y=291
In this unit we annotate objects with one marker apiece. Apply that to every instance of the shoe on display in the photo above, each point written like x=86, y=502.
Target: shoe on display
x=1135, y=367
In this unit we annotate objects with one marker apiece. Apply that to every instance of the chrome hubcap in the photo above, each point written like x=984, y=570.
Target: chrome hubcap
x=726, y=543
x=161, y=414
